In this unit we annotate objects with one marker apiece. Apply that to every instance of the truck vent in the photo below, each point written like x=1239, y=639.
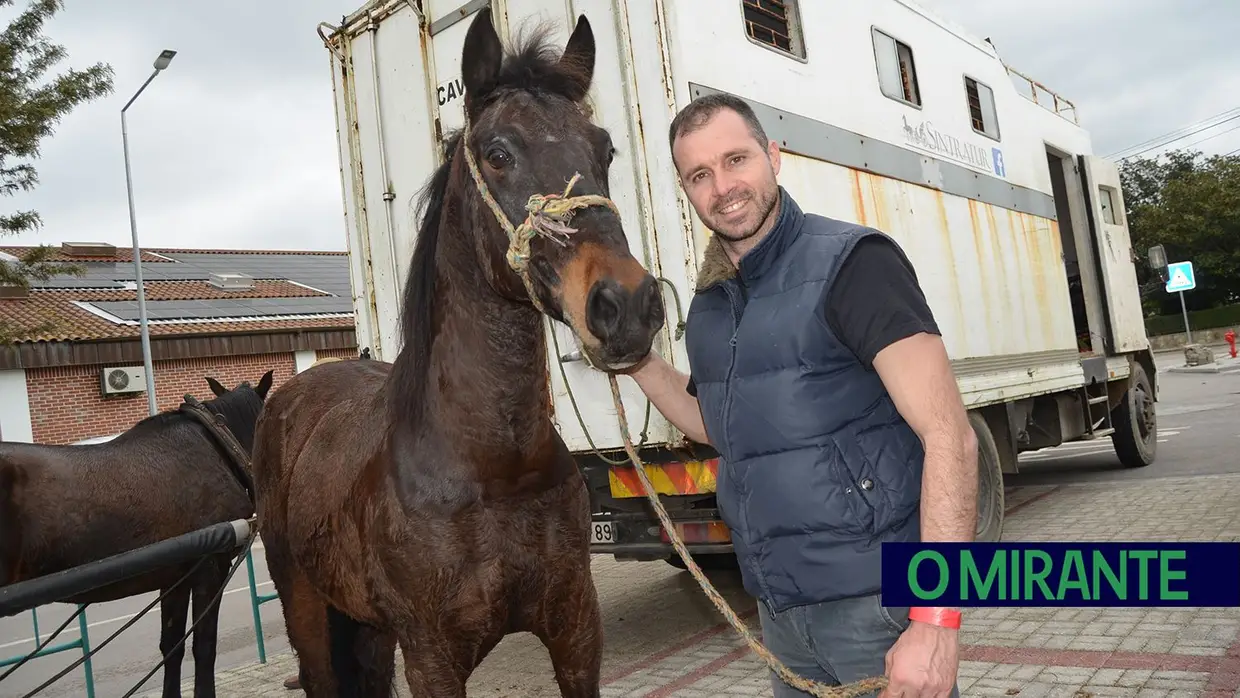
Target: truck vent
x=774, y=23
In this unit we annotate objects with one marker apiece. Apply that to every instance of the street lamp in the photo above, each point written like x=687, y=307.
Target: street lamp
x=1158, y=261
x=165, y=57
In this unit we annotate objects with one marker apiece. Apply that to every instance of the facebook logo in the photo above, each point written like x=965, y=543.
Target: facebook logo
x=998, y=158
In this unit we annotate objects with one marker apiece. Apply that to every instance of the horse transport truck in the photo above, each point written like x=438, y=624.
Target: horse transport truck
x=887, y=115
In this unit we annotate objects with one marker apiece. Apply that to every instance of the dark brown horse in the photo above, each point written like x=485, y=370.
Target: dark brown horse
x=431, y=501
x=65, y=506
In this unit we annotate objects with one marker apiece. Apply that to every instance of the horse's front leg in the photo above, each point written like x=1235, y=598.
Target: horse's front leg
x=206, y=587
x=430, y=669
x=570, y=625
x=172, y=612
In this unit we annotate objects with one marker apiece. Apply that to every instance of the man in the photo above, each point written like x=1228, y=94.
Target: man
x=819, y=375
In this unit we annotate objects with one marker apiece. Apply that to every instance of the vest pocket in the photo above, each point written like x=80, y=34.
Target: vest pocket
x=889, y=455
x=852, y=484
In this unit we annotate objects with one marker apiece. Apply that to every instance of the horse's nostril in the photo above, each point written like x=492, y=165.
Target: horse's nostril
x=604, y=308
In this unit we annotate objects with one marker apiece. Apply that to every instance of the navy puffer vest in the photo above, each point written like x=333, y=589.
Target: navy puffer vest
x=818, y=467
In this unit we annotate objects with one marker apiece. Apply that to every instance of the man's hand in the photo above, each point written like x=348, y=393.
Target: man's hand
x=923, y=662
x=667, y=389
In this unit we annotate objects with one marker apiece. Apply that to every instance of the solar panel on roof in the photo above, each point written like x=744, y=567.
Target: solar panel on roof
x=225, y=308
x=325, y=273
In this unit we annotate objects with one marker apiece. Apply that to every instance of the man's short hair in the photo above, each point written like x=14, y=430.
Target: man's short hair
x=695, y=115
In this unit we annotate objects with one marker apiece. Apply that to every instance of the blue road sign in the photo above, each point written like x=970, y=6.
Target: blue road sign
x=1180, y=277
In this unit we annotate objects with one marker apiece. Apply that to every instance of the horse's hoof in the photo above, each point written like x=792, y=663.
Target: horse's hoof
x=293, y=682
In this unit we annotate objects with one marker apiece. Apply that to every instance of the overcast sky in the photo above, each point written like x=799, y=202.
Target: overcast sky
x=235, y=145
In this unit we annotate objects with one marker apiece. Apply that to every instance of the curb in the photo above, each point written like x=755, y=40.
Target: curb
x=1208, y=368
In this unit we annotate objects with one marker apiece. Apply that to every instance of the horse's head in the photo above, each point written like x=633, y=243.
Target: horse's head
x=527, y=137
x=240, y=407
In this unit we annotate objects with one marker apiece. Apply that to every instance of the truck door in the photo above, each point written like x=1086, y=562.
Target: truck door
x=1116, y=257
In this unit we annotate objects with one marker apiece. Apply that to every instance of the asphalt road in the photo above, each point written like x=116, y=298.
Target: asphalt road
x=1199, y=421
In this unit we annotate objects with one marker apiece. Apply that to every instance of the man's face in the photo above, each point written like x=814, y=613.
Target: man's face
x=728, y=175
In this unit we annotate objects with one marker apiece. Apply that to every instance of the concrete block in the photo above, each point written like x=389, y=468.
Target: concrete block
x=1198, y=355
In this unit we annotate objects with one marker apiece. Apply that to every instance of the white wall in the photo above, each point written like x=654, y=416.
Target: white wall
x=15, y=407
x=304, y=359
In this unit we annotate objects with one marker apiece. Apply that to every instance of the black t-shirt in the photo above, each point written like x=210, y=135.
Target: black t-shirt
x=875, y=301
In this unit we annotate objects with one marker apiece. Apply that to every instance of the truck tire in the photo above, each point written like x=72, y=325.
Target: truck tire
x=1136, y=422
x=989, y=483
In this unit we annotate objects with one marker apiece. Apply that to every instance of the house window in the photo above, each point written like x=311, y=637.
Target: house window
x=897, y=75
x=981, y=100
x=775, y=24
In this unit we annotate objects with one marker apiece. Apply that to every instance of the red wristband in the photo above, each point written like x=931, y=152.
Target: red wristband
x=942, y=617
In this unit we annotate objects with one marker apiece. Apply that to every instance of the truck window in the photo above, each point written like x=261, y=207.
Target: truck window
x=1110, y=213
x=897, y=75
x=775, y=24
x=981, y=100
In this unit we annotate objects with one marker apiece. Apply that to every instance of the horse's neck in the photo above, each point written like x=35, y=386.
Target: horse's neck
x=488, y=362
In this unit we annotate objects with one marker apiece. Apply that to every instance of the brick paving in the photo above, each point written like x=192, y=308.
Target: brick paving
x=665, y=640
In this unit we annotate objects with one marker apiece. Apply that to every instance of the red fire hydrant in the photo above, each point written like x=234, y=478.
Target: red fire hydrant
x=1230, y=336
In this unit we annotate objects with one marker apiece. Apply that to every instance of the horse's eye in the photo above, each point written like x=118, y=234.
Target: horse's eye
x=498, y=158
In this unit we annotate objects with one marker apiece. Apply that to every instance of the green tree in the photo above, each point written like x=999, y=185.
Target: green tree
x=1190, y=205
x=30, y=107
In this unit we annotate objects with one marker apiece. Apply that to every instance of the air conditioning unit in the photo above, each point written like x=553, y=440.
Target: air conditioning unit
x=120, y=380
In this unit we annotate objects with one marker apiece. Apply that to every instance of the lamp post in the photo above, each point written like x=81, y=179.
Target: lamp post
x=165, y=57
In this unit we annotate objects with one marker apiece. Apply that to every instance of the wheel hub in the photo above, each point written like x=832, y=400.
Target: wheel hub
x=1145, y=412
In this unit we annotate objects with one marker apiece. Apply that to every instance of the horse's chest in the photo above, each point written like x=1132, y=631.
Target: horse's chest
x=496, y=546
x=518, y=533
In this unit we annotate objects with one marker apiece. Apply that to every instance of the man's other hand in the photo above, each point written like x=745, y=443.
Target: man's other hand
x=923, y=663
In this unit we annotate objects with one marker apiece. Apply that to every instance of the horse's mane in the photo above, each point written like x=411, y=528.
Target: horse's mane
x=240, y=408
x=531, y=65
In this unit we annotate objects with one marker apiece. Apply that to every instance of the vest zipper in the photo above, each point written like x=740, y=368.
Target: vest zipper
x=737, y=311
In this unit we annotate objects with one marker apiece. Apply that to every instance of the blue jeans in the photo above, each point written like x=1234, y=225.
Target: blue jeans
x=834, y=642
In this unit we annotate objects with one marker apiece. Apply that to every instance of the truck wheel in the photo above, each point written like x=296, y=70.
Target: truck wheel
x=989, y=483
x=1136, y=422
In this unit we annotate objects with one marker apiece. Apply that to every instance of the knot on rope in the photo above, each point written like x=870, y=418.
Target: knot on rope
x=548, y=215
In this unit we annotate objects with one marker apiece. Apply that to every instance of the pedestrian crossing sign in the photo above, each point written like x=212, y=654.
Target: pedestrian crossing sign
x=1180, y=277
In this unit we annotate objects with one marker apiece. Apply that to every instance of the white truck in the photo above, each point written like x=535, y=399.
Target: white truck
x=888, y=116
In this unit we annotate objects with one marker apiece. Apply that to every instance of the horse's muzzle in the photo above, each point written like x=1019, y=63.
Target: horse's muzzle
x=624, y=322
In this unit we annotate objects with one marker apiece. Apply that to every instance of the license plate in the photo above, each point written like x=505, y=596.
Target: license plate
x=602, y=532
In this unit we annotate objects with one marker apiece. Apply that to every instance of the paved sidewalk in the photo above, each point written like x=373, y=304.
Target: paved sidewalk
x=665, y=640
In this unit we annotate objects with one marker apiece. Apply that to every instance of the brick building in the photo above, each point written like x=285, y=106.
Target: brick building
x=76, y=372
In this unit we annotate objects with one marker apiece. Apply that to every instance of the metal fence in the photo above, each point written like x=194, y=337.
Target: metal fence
x=30, y=595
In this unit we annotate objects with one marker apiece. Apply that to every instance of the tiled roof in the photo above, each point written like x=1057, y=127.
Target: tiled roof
x=178, y=250
x=123, y=254
x=291, y=290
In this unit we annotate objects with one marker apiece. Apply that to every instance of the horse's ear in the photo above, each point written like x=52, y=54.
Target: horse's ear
x=264, y=385
x=578, y=57
x=481, y=58
x=216, y=388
